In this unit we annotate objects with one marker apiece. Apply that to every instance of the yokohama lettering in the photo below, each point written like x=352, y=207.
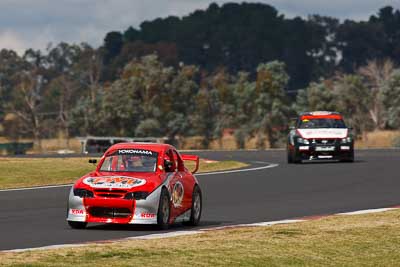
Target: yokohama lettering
x=135, y=151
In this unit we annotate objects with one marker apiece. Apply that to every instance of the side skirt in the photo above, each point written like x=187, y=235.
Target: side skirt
x=184, y=217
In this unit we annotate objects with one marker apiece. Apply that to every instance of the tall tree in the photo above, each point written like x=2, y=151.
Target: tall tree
x=317, y=96
x=347, y=89
x=272, y=105
x=376, y=73
x=112, y=45
x=391, y=99
x=10, y=65
x=87, y=73
x=26, y=101
x=63, y=86
x=245, y=117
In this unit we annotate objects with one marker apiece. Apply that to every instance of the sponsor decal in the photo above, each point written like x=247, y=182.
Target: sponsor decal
x=320, y=113
x=135, y=152
x=113, y=182
x=323, y=133
x=77, y=212
x=325, y=148
x=147, y=215
x=325, y=157
x=177, y=194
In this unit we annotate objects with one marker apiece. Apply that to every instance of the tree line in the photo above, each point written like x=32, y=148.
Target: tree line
x=227, y=67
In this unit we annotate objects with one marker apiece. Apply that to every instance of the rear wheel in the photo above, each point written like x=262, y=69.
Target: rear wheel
x=195, y=212
x=77, y=225
x=164, y=209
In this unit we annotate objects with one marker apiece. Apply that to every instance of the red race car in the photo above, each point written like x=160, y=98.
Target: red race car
x=137, y=183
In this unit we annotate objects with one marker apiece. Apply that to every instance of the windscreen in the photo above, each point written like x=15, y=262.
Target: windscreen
x=321, y=123
x=130, y=160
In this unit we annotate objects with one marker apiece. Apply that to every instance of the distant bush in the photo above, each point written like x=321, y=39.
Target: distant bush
x=396, y=141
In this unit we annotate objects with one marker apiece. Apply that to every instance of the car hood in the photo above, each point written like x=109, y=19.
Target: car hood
x=323, y=133
x=121, y=180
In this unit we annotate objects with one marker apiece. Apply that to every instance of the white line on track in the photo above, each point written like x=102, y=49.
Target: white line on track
x=270, y=165
x=45, y=247
x=200, y=231
x=35, y=188
x=366, y=211
x=165, y=235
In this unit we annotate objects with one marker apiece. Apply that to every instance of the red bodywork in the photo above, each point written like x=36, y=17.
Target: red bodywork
x=114, y=198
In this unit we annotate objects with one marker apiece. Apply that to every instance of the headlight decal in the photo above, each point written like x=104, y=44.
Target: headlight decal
x=137, y=195
x=83, y=193
x=346, y=140
x=303, y=141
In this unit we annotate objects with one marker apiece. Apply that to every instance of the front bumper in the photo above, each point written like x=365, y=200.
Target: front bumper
x=114, y=210
x=343, y=151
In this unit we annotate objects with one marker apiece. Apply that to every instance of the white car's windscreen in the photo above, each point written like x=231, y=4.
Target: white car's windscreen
x=321, y=123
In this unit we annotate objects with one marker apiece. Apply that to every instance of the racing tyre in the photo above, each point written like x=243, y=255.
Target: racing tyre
x=295, y=157
x=350, y=158
x=77, y=225
x=164, y=209
x=289, y=156
x=195, y=212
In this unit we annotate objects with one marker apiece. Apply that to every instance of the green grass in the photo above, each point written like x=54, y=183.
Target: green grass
x=361, y=240
x=21, y=172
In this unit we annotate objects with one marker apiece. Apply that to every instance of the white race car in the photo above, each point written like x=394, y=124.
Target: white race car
x=320, y=135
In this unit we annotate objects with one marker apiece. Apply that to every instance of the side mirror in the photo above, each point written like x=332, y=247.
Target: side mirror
x=93, y=161
x=168, y=165
x=192, y=158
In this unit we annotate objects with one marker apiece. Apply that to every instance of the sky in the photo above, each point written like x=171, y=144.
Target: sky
x=36, y=23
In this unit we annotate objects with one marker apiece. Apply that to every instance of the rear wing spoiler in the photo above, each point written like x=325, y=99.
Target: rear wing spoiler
x=196, y=159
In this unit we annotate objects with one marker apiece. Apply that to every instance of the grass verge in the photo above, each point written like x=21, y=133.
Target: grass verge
x=22, y=172
x=358, y=240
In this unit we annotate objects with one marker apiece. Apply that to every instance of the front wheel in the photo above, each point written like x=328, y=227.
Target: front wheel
x=289, y=156
x=350, y=158
x=296, y=158
x=77, y=225
x=196, y=209
x=164, y=209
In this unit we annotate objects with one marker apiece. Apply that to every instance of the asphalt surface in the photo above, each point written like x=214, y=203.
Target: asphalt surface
x=35, y=218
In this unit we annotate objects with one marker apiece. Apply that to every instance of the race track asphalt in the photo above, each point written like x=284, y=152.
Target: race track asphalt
x=35, y=218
